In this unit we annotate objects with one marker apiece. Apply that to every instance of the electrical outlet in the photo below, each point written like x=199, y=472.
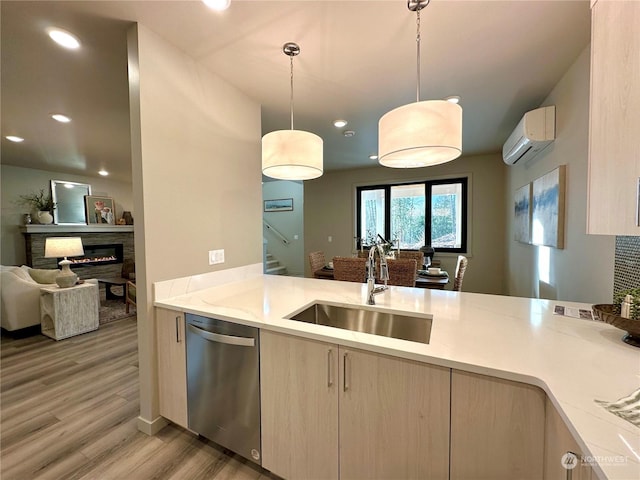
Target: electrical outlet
x=295, y=237
x=216, y=256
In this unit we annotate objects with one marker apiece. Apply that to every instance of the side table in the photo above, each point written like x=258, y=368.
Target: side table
x=65, y=312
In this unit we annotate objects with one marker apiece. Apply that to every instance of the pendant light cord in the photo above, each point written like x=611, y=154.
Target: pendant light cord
x=417, y=55
x=291, y=99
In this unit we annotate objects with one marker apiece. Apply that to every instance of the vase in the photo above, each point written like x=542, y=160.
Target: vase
x=44, y=217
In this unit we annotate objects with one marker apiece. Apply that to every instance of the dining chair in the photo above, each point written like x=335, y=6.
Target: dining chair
x=316, y=260
x=130, y=296
x=461, y=267
x=350, y=269
x=412, y=254
x=402, y=271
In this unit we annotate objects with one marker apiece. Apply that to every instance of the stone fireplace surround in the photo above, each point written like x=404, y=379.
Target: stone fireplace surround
x=36, y=235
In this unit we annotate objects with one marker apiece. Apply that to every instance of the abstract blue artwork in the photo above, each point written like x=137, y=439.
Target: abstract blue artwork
x=547, y=222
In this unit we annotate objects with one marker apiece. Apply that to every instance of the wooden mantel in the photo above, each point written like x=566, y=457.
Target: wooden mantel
x=53, y=229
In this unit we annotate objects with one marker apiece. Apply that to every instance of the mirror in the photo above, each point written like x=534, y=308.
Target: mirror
x=68, y=197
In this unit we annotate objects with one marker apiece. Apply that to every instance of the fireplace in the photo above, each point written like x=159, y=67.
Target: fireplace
x=101, y=245
x=99, y=255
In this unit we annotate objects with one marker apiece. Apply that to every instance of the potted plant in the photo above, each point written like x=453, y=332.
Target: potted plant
x=41, y=205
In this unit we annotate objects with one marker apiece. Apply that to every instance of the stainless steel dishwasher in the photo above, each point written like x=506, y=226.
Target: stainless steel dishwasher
x=223, y=384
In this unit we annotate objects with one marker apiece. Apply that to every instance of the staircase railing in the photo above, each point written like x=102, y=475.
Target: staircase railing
x=270, y=227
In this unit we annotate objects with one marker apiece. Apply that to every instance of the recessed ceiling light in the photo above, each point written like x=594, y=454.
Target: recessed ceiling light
x=103, y=172
x=58, y=117
x=348, y=133
x=339, y=123
x=217, y=4
x=13, y=138
x=373, y=157
x=63, y=38
x=453, y=99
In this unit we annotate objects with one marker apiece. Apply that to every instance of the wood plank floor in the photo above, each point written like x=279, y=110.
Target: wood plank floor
x=68, y=410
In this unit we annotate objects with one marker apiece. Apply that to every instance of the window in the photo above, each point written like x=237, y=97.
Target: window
x=410, y=213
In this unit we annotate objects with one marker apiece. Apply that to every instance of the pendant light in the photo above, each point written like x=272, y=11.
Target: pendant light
x=291, y=154
x=420, y=134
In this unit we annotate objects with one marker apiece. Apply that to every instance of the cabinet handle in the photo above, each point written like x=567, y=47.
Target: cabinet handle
x=570, y=461
x=638, y=205
x=178, y=329
x=329, y=376
x=345, y=383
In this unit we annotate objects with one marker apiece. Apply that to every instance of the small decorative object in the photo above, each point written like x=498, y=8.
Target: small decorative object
x=44, y=217
x=278, y=205
x=27, y=219
x=56, y=247
x=548, y=209
x=100, y=210
x=41, y=205
x=629, y=299
x=122, y=221
x=522, y=214
x=128, y=218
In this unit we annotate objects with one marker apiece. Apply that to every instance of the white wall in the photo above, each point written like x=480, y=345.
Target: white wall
x=290, y=224
x=196, y=168
x=17, y=181
x=583, y=270
x=330, y=205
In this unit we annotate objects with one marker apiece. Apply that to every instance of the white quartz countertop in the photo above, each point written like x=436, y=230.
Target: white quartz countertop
x=574, y=361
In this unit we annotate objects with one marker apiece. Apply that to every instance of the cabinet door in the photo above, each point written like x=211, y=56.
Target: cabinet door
x=497, y=428
x=394, y=418
x=614, y=143
x=558, y=441
x=298, y=379
x=172, y=366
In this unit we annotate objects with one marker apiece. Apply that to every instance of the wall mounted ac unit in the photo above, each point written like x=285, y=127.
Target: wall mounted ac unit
x=536, y=131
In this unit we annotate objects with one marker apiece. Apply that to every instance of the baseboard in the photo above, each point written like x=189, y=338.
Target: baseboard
x=152, y=427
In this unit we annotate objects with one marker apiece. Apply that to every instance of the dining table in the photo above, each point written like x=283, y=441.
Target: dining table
x=423, y=280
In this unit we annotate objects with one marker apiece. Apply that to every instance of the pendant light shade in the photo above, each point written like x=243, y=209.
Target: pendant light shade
x=420, y=134
x=423, y=133
x=291, y=155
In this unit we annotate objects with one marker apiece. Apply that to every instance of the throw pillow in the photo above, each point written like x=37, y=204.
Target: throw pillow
x=44, y=276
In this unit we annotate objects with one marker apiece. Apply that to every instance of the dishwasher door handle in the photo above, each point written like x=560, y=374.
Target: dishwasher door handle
x=228, y=339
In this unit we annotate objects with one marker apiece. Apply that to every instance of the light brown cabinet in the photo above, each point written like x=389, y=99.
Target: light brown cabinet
x=299, y=395
x=559, y=442
x=614, y=143
x=172, y=365
x=393, y=417
x=497, y=428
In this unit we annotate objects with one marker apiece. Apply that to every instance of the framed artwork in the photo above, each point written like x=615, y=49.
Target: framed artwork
x=522, y=214
x=100, y=210
x=547, y=220
x=278, y=205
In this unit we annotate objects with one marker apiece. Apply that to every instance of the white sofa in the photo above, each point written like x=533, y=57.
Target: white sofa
x=20, y=295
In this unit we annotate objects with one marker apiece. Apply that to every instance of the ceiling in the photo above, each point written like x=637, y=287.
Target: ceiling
x=357, y=61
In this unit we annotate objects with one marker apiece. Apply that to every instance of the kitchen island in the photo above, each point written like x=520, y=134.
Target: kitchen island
x=574, y=361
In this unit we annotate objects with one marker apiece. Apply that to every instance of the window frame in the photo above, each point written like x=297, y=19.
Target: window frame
x=428, y=184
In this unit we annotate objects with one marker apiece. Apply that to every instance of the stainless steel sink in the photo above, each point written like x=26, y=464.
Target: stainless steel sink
x=415, y=327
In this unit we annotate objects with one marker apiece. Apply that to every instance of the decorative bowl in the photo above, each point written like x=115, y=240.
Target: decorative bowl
x=609, y=314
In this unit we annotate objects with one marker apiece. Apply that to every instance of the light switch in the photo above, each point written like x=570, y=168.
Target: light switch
x=330, y=239
x=295, y=237
x=216, y=256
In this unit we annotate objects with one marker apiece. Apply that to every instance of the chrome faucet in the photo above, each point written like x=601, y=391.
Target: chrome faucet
x=372, y=290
